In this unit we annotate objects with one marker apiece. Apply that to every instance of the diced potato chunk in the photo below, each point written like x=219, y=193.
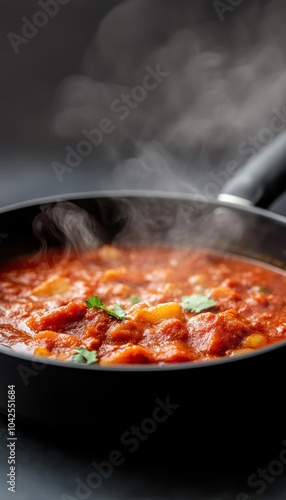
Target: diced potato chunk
x=53, y=286
x=255, y=340
x=42, y=351
x=239, y=352
x=114, y=274
x=45, y=353
x=156, y=314
x=224, y=293
x=110, y=252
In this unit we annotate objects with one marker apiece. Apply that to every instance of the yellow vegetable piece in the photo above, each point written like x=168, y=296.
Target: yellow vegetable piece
x=42, y=351
x=114, y=274
x=110, y=252
x=241, y=351
x=161, y=312
x=255, y=340
x=53, y=286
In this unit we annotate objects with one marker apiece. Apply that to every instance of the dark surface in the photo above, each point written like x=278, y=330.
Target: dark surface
x=174, y=462
x=48, y=467
x=171, y=463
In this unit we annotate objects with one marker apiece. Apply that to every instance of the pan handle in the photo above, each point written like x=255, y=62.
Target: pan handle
x=262, y=179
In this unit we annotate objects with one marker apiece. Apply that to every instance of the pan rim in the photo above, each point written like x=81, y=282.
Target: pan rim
x=193, y=365
x=128, y=193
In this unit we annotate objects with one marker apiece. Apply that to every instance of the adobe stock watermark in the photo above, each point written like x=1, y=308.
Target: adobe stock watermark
x=262, y=478
x=249, y=147
x=121, y=108
x=33, y=370
x=222, y=8
x=131, y=440
x=31, y=27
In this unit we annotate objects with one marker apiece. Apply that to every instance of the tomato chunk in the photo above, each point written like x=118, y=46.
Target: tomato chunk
x=173, y=329
x=175, y=352
x=216, y=333
x=58, y=318
x=131, y=354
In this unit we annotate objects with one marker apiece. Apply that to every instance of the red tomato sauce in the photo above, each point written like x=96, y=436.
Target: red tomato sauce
x=173, y=305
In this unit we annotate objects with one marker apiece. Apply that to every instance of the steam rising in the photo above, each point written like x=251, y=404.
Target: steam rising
x=225, y=78
x=68, y=224
x=149, y=221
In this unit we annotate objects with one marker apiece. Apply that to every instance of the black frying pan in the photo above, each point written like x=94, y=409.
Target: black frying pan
x=205, y=401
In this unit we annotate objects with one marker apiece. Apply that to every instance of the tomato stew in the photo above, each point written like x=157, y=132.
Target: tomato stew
x=140, y=305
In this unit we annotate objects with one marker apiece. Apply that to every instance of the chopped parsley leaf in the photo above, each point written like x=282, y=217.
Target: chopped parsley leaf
x=117, y=312
x=197, y=303
x=84, y=356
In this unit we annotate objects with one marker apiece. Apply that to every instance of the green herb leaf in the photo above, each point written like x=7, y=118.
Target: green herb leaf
x=84, y=356
x=94, y=302
x=118, y=312
x=197, y=303
x=134, y=299
x=262, y=289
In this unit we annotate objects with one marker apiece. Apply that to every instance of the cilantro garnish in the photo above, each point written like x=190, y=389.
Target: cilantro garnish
x=117, y=312
x=197, y=303
x=134, y=299
x=263, y=289
x=84, y=356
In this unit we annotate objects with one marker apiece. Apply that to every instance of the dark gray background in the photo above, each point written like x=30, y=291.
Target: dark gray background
x=225, y=78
